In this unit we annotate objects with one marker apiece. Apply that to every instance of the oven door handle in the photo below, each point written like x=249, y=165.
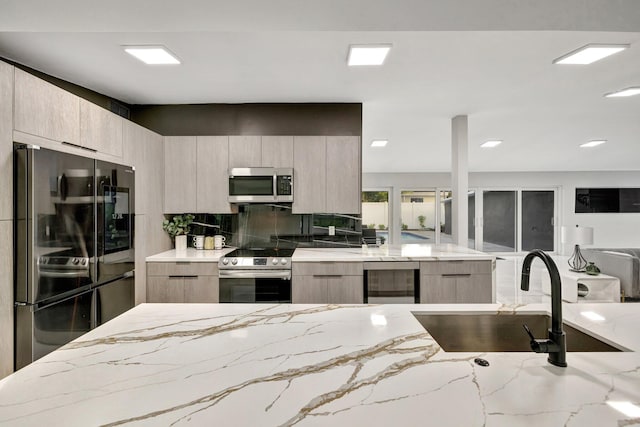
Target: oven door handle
x=63, y=274
x=255, y=274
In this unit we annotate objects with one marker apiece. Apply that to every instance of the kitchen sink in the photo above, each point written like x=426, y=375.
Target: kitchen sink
x=499, y=332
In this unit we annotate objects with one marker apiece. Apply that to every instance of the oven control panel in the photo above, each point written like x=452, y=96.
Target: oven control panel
x=280, y=263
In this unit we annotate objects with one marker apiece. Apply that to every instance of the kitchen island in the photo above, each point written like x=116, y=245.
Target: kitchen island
x=448, y=273
x=341, y=365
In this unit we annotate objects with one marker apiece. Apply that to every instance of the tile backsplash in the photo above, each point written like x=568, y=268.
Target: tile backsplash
x=268, y=225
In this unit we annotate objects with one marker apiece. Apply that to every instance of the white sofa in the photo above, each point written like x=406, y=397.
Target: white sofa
x=623, y=263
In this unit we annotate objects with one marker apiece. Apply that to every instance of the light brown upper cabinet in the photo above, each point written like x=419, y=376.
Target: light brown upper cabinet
x=180, y=182
x=6, y=142
x=343, y=174
x=310, y=174
x=327, y=174
x=212, y=153
x=326, y=170
x=245, y=151
x=144, y=150
x=277, y=151
x=45, y=110
x=100, y=130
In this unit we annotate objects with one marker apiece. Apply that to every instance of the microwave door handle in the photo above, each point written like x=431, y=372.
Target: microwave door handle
x=275, y=185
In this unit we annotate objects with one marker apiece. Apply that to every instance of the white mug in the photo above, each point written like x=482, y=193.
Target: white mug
x=198, y=242
x=218, y=241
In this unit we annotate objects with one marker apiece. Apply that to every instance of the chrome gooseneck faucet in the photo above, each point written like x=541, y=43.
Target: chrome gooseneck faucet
x=556, y=344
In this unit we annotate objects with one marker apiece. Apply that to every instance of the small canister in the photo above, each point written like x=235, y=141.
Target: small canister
x=208, y=242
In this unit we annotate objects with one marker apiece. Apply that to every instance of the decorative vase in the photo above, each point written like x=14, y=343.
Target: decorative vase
x=181, y=242
x=592, y=269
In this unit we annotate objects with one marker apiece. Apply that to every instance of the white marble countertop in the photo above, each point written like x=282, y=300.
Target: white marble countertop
x=406, y=252
x=190, y=255
x=249, y=365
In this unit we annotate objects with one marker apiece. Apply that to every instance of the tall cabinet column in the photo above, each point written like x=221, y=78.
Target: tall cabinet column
x=6, y=216
x=460, y=179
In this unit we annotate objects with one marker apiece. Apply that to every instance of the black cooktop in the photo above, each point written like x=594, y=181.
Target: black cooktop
x=261, y=252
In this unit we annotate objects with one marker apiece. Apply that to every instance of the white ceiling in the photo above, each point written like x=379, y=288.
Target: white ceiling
x=247, y=52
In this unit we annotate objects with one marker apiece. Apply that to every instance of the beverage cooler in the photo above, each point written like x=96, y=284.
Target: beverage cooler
x=73, y=247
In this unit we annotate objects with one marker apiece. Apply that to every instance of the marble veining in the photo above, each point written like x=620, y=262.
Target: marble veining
x=342, y=365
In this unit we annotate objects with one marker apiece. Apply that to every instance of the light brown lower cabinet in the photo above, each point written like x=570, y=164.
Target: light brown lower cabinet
x=327, y=283
x=450, y=282
x=182, y=282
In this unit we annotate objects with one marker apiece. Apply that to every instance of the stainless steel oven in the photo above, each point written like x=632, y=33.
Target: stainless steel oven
x=260, y=185
x=255, y=286
x=256, y=276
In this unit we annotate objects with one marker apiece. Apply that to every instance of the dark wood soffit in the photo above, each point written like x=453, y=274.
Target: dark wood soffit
x=251, y=119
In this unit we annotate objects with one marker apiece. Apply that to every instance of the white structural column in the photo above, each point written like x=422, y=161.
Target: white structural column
x=460, y=179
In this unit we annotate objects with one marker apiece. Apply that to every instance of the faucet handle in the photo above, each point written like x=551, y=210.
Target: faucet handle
x=526, y=328
x=540, y=345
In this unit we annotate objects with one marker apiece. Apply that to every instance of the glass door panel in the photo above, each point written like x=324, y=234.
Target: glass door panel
x=446, y=225
x=418, y=214
x=471, y=200
x=537, y=220
x=499, y=213
x=375, y=213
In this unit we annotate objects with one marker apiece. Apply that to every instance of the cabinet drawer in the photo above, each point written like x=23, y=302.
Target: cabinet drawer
x=327, y=268
x=182, y=269
x=455, y=267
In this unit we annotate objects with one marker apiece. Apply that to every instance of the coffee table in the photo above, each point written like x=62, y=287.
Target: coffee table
x=601, y=288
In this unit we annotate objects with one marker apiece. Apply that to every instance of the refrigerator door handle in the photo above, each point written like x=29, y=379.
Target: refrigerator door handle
x=95, y=309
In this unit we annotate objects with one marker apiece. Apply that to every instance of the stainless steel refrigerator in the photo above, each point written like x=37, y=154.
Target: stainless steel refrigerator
x=73, y=247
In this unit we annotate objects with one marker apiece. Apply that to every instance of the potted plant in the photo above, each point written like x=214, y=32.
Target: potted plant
x=178, y=228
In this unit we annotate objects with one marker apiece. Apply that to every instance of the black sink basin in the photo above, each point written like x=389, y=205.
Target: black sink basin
x=474, y=333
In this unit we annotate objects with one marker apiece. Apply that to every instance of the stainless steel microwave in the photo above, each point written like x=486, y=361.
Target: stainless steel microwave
x=260, y=185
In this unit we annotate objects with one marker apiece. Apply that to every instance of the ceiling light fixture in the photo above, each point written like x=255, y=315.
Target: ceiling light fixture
x=379, y=142
x=367, y=54
x=491, y=143
x=630, y=91
x=152, y=55
x=590, y=53
x=594, y=143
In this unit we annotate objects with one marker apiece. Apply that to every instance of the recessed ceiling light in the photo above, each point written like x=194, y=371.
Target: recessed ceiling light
x=368, y=54
x=593, y=143
x=630, y=91
x=379, y=142
x=627, y=408
x=590, y=53
x=491, y=144
x=152, y=55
